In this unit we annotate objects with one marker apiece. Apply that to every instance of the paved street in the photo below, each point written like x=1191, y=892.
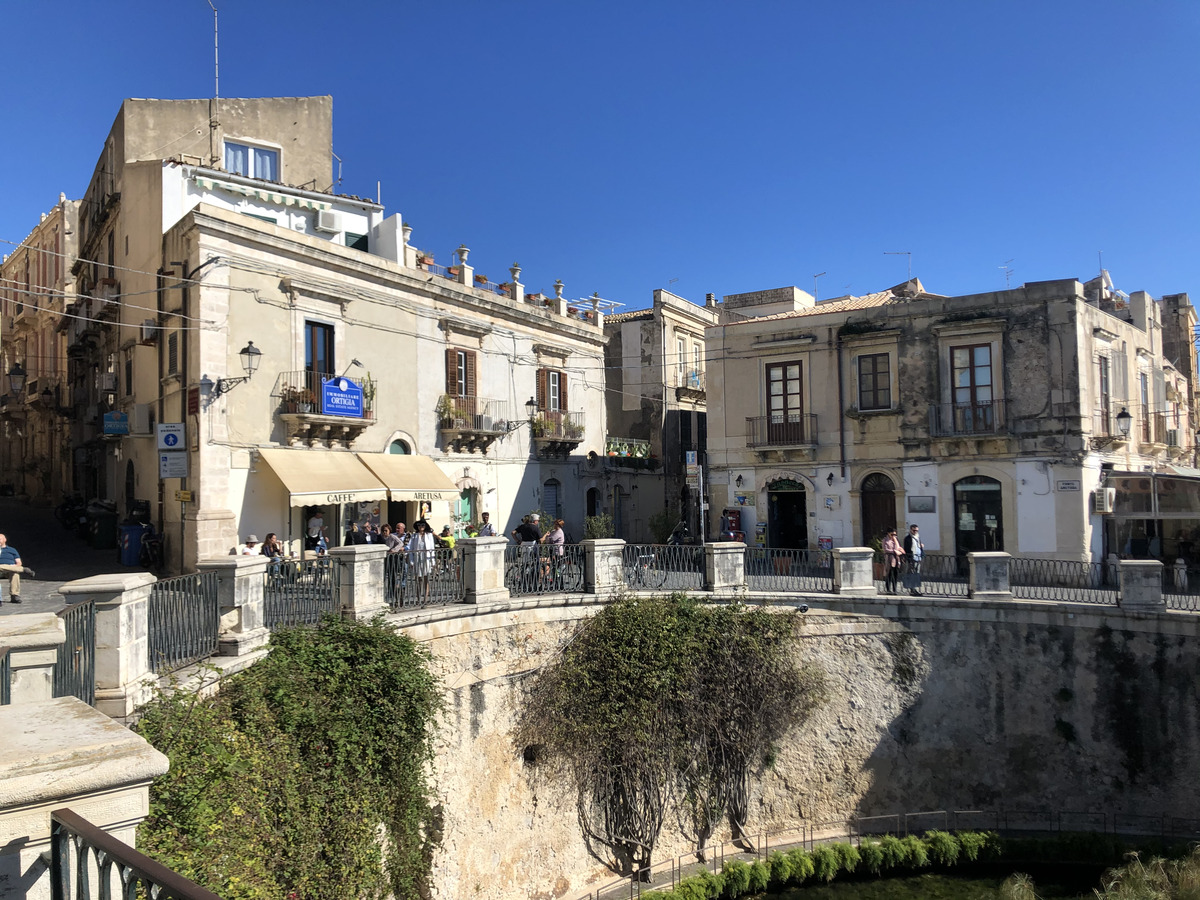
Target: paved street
x=57, y=556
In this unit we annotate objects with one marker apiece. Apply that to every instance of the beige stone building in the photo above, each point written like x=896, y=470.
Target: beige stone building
x=656, y=413
x=36, y=288
x=1045, y=421
x=273, y=348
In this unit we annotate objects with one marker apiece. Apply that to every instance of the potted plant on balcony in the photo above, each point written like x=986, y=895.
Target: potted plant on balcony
x=572, y=431
x=539, y=426
x=368, y=389
x=297, y=399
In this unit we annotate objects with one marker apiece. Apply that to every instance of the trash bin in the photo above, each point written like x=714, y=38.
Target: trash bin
x=131, y=544
x=102, y=528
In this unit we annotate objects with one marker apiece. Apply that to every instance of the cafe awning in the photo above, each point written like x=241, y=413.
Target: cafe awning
x=410, y=477
x=317, y=478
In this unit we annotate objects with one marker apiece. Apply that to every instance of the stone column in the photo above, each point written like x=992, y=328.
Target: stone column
x=466, y=274
x=1141, y=585
x=62, y=753
x=603, y=571
x=33, y=641
x=725, y=568
x=989, y=576
x=518, y=289
x=240, y=592
x=483, y=569
x=123, y=677
x=359, y=580
x=853, y=573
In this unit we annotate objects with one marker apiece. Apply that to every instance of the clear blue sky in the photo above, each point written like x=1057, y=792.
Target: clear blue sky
x=695, y=146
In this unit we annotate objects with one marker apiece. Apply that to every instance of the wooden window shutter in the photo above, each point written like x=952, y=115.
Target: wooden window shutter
x=452, y=372
x=469, y=387
x=562, y=391
x=541, y=389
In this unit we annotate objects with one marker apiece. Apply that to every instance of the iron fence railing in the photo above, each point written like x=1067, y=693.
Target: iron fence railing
x=669, y=567
x=303, y=391
x=423, y=578
x=184, y=621
x=557, y=425
x=771, y=569
x=80, y=851
x=939, y=576
x=1064, y=580
x=980, y=417
x=5, y=677
x=75, y=668
x=668, y=873
x=542, y=569
x=299, y=592
x=470, y=413
x=781, y=430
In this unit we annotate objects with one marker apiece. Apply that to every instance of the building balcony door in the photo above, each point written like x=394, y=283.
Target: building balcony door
x=878, y=507
x=787, y=516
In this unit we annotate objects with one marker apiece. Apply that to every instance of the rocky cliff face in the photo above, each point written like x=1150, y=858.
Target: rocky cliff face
x=949, y=710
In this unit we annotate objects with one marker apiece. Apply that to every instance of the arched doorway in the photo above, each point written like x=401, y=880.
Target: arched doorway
x=593, y=502
x=787, y=514
x=878, y=504
x=978, y=515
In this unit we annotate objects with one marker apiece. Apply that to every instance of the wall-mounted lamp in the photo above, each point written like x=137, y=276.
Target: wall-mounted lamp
x=738, y=481
x=16, y=378
x=353, y=362
x=829, y=480
x=531, y=411
x=1124, y=420
x=250, y=356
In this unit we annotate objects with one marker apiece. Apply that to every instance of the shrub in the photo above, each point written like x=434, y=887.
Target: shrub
x=895, y=856
x=760, y=876
x=943, y=848
x=737, y=878
x=976, y=845
x=872, y=856
x=826, y=862
x=781, y=869
x=915, y=854
x=802, y=865
x=848, y=856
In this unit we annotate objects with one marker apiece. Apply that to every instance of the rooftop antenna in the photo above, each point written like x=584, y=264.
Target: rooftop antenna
x=213, y=117
x=216, y=57
x=907, y=253
x=1007, y=267
x=815, y=277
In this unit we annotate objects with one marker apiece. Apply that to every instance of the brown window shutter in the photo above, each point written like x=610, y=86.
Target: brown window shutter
x=469, y=388
x=452, y=372
x=541, y=388
x=562, y=391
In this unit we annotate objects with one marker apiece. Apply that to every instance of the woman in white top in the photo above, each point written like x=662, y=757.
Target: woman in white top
x=421, y=554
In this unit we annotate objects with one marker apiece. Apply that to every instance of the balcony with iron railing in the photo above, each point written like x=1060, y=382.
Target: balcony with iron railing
x=470, y=423
x=320, y=409
x=629, y=453
x=556, y=432
x=688, y=383
x=791, y=430
x=968, y=419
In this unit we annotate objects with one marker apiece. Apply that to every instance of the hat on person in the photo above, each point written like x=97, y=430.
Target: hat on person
x=252, y=539
x=445, y=529
x=534, y=517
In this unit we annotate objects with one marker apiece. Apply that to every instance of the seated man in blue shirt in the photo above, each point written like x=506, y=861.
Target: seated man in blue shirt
x=10, y=563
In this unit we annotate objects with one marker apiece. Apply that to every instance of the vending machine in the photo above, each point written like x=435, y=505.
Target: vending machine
x=731, y=523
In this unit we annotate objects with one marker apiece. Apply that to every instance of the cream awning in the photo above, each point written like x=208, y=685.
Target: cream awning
x=319, y=477
x=410, y=477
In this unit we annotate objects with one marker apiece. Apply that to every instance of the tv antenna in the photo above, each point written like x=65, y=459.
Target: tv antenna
x=1008, y=270
x=815, y=277
x=216, y=57
x=907, y=253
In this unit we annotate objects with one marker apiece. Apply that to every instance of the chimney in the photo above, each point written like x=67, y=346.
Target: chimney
x=710, y=300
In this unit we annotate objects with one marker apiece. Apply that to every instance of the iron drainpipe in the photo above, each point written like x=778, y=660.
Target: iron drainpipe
x=841, y=406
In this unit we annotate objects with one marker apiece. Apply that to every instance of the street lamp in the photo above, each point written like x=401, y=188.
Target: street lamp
x=251, y=357
x=531, y=411
x=1124, y=420
x=16, y=378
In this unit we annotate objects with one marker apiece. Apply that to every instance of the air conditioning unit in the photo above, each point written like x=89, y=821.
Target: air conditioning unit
x=108, y=382
x=149, y=331
x=139, y=419
x=1104, y=500
x=328, y=221
x=1172, y=437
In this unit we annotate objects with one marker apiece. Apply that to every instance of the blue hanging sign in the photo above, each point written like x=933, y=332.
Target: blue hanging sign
x=116, y=423
x=341, y=397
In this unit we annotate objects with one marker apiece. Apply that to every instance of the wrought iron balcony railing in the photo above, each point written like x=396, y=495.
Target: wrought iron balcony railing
x=953, y=419
x=783, y=430
x=557, y=425
x=301, y=392
x=689, y=379
x=474, y=414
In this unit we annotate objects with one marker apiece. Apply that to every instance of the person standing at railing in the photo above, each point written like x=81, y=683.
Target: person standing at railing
x=556, y=539
x=486, y=528
x=915, y=551
x=420, y=554
x=894, y=559
x=10, y=564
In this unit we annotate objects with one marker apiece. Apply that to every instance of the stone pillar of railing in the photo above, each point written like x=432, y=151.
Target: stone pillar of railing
x=725, y=568
x=483, y=569
x=62, y=753
x=359, y=580
x=32, y=641
x=466, y=274
x=1141, y=585
x=603, y=571
x=518, y=289
x=989, y=576
x=853, y=575
x=124, y=680
x=240, y=594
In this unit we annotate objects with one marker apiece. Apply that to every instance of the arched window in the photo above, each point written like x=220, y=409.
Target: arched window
x=878, y=506
x=399, y=447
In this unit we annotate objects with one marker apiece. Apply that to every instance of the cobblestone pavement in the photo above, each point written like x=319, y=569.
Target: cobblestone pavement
x=58, y=556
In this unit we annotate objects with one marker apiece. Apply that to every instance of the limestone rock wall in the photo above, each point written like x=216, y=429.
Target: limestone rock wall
x=937, y=712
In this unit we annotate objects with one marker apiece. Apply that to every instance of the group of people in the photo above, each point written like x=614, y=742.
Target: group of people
x=902, y=560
